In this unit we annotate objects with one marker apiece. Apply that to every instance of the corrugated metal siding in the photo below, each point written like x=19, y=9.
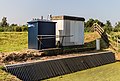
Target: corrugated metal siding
x=75, y=28
x=82, y=33
x=66, y=32
x=70, y=27
x=72, y=32
x=47, y=69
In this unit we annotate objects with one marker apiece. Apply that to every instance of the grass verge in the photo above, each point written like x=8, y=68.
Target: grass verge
x=110, y=72
x=13, y=41
x=6, y=76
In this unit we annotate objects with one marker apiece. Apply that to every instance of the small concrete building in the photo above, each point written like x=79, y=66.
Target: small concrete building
x=70, y=27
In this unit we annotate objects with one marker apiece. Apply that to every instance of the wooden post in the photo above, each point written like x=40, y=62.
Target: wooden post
x=117, y=44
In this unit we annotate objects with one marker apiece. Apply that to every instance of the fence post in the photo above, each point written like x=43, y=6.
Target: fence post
x=117, y=45
x=97, y=44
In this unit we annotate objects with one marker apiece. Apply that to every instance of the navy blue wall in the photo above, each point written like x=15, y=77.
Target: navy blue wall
x=46, y=28
x=41, y=28
x=32, y=34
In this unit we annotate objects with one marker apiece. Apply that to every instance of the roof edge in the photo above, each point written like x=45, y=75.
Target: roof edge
x=64, y=17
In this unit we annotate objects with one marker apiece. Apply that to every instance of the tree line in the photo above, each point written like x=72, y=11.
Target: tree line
x=106, y=26
x=6, y=27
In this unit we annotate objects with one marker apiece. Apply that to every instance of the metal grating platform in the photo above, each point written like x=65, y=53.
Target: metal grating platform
x=47, y=69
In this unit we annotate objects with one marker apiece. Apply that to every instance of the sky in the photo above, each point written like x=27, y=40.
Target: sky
x=22, y=11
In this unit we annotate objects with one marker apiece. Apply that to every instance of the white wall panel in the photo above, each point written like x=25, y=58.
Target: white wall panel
x=70, y=27
x=72, y=31
x=82, y=32
x=59, y=27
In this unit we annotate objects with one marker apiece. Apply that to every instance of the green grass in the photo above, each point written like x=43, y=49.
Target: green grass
x=6, y=76
x=110, y=72
x=16, y=41
x=13, y=41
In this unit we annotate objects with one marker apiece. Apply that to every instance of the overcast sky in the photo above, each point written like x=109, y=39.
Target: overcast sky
x=21, y=11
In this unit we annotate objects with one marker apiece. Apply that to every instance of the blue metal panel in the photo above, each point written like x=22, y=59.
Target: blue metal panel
x=47, y=28
x=41, y=28
x=32, y=35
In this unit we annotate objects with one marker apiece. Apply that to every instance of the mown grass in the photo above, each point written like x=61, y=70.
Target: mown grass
x=110, y=72
x=13, y=41
x=7, y=76
x=16, y=41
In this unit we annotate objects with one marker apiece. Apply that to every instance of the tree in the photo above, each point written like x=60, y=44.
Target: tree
x=90, y=22
x=99, y=22
x=4, y=22
x=88, y=25
x=117, y=27
x=13, y=25
x=108, y=26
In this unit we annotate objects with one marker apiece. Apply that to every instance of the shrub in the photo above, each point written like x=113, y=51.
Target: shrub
x=1, y=29
x=24, y=28
x=18, y=29
x=14, y=29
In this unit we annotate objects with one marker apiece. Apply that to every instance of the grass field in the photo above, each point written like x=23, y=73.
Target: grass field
x=6, y=76
x=16, y=41
x=13, y=41
x=110, y=72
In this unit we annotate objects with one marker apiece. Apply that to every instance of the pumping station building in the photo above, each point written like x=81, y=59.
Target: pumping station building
x=63, y=30
x=66, y=31
x=71, y=27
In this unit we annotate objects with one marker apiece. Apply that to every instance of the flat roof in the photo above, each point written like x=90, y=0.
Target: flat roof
x=45, y=21
x=64, y=17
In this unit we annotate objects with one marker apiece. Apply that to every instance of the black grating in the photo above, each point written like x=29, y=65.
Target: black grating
x=47, y=69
